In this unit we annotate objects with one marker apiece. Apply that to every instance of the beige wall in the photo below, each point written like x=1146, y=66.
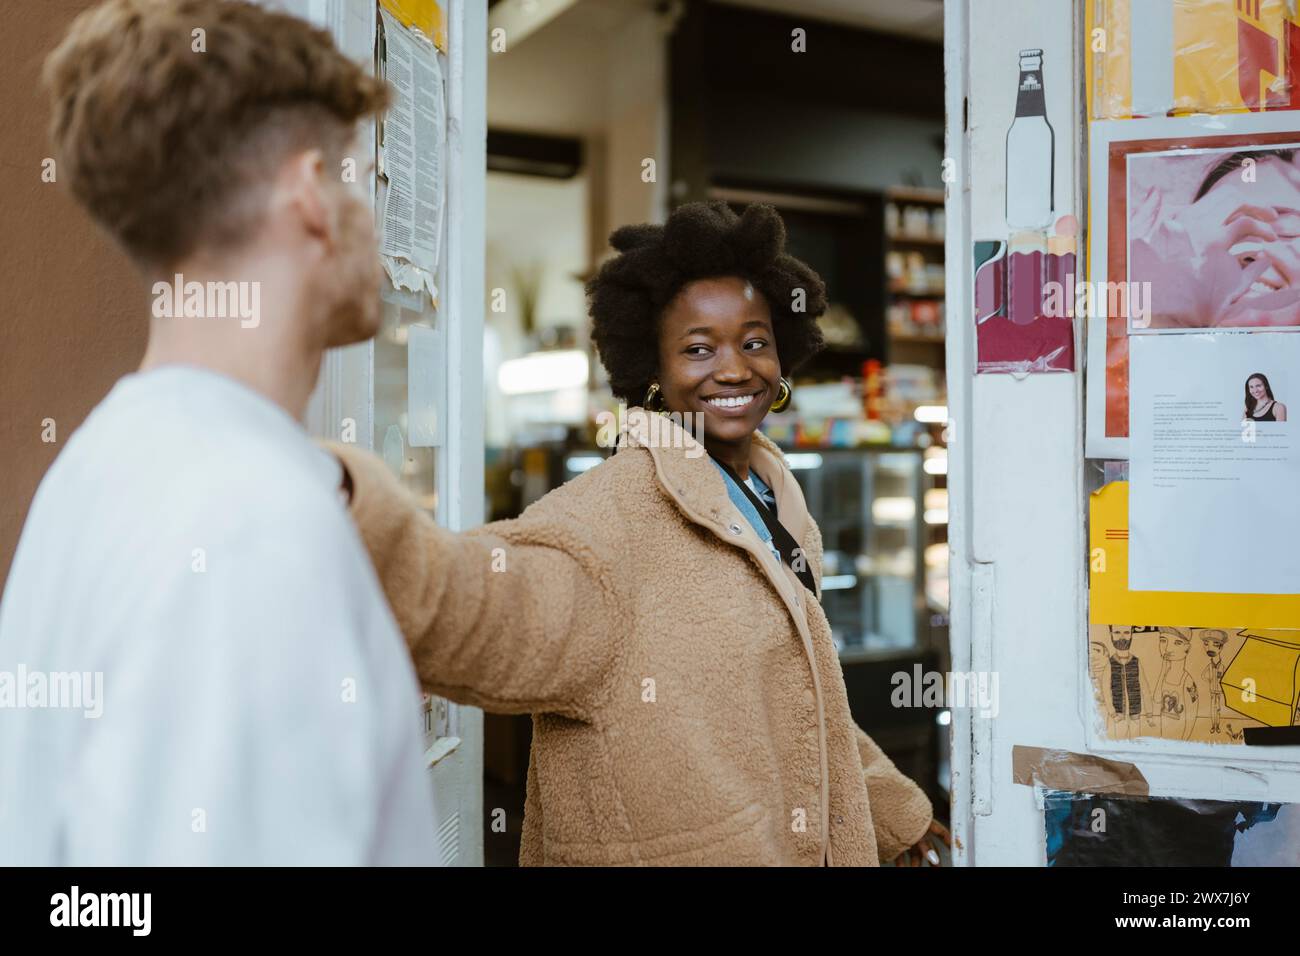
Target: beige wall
x=72, y=312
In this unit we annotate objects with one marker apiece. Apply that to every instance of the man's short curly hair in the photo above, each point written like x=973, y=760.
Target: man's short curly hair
x=170, y=115
x=699, y=241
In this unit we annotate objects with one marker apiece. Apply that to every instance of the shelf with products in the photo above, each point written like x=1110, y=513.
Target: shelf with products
x=914, y=271
x=916, y=194
x=903, y=239
x=918, y=292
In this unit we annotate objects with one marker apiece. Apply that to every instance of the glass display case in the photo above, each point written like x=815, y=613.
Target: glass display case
x=870, y=506
x=880, y=519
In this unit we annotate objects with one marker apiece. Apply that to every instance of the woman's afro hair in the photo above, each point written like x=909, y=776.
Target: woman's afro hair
x=699, y=241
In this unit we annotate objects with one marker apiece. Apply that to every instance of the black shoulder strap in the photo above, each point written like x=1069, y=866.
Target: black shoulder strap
x=791, y=553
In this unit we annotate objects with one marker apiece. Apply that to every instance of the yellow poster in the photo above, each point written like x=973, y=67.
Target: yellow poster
x=1108, y=71
x=1225, y=56
x=1110, y=600
x=424, y=15
x=1183, y=666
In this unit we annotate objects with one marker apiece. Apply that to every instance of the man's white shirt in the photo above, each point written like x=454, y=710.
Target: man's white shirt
x=188, y=553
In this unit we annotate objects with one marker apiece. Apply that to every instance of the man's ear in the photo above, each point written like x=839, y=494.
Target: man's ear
x=303, y=178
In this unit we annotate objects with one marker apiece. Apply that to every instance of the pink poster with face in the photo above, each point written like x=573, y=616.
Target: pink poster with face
x=1215, y=233
x=1194, y=226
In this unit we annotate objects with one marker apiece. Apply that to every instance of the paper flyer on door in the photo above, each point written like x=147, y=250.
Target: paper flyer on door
x=1214, y=464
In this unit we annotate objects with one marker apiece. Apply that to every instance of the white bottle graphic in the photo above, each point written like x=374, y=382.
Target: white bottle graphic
x=1031, y=146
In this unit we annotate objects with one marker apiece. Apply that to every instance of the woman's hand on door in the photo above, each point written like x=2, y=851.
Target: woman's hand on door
x=924, y=853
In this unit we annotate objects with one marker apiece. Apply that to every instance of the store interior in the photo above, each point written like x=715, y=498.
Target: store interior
x=608, y=112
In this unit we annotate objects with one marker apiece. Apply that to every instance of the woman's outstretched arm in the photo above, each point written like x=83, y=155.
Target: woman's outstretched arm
x=515, y=617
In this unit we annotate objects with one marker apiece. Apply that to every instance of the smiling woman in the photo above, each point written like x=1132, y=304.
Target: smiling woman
x=656, y=281
x=704, y=314
x=717, y=357
x=659, y=614
x=1261, y=406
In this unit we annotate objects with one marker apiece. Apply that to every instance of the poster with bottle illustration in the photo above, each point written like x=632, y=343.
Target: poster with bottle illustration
x=1031, y=150
x=1021, y=327
x=1023, y=324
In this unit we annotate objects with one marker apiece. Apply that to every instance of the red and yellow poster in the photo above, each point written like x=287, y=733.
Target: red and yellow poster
x=1212, y=56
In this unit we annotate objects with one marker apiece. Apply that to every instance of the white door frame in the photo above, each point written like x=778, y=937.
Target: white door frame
x=959, y=362
x=459, y=778
x=346, y=389
x=1015, y=473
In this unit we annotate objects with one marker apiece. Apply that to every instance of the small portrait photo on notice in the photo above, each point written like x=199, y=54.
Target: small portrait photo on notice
x=1261, y=404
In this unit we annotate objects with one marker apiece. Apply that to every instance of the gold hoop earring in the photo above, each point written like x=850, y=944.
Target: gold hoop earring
x=784, y=393
x=651, y=397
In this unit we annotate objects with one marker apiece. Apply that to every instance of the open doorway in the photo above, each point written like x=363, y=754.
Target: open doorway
x=603, y=114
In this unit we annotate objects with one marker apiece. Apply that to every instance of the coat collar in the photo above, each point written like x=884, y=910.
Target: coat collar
x=692, y=480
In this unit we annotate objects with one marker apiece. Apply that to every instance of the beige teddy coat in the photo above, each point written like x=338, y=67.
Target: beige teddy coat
x=688, y=704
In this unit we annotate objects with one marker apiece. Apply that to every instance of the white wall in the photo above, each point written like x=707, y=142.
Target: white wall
x=1016, y=478
x=1015, y=459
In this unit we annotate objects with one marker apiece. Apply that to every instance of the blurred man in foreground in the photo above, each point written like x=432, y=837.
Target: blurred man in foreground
x=196, y=662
